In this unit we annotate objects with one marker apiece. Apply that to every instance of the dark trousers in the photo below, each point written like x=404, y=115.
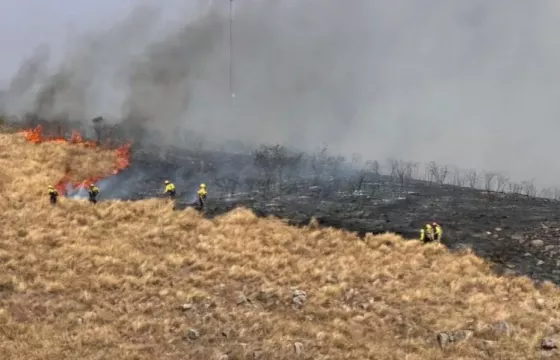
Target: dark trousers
x=53, y=199
x=428, y=237
x=201, y=201
x=93, y=199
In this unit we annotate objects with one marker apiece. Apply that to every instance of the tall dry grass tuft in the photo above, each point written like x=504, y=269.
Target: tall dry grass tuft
x=137, y=280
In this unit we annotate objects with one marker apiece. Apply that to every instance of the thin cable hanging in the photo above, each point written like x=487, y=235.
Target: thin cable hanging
x=231, y=85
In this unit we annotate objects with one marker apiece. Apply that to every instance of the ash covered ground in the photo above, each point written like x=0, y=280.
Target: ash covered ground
x=519, y=234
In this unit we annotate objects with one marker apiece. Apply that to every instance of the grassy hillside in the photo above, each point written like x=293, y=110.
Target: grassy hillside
x=137, y=280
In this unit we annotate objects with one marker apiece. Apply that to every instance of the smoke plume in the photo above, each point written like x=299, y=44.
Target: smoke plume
x=467, y=83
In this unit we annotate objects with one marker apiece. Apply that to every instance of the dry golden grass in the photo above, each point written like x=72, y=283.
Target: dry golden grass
x=79, y=281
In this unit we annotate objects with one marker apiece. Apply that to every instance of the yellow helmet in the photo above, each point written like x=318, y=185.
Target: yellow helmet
x=51, y=187
x=166, y=182
x=428, y=226
x=202, y=185
x=91, y=185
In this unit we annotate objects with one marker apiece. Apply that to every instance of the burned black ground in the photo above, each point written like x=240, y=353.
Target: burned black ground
x=519, y=234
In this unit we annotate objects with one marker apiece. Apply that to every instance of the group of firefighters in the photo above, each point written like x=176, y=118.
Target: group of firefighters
x=92, y=192
x=429, y=233
x=169, y=191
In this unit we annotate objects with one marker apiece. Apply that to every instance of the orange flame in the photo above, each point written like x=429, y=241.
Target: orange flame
x=36, y=136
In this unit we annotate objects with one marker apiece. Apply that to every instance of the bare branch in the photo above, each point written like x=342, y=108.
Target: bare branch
x=471, y=176
x=515, y=188
x=458, y=178
x=438, y=173
x=489, y=180
x=319, y=163
x=404, y=171
x=501, y=182
x=529, y=188
x=392, y=165
x=374, y=167
x=556, y=195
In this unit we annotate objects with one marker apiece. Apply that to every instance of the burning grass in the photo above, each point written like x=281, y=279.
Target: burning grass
x=71, y=178
x=123, y=280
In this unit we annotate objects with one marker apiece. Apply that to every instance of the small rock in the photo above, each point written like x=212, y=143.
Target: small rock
x=298, y=298
x=488, y=233
x=297, y=302
x=187, y=306
x=540, y=262
x=450, y=337
x=298, y=348
x=193, y=334
x=527, y=254
x=443, y=339
x=537, y=243
x=498, y=229
x=518, y=237
x=241, y=299
x=549, y=247
x=510, y=266
x=548, y=343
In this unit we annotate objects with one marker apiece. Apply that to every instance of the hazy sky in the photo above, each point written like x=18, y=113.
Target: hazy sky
x=473, y=83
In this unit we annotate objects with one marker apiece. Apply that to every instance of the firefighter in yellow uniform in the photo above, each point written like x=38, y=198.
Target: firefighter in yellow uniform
x=438, y=231
x=427, y=233
x=202, y=195
x=53, y=194
x=169, y=189
x=93, y=192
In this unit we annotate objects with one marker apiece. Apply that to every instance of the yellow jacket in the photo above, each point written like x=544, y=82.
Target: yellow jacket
x=426, y=231
x=439, y=231
x=202, y=192
x=169, y=188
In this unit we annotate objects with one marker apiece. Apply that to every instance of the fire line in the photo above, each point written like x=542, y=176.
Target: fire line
x=36, y=136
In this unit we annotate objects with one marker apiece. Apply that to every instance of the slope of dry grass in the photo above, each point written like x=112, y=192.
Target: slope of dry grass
x=108, y=282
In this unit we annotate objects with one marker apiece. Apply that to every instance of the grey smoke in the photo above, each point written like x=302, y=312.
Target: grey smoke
x=472, y=83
